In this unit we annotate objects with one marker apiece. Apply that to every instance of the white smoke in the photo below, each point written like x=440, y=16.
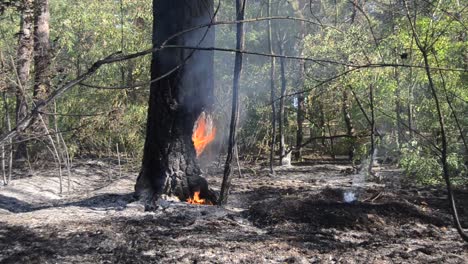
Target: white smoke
x=349, y=197
x=359, y=179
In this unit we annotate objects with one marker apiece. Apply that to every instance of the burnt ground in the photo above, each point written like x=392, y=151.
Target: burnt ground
x=297, y=216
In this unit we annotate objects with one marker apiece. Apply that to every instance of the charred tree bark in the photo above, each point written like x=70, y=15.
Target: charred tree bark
x=240, y=10
x=23, y=65
x=272, y=93
x=170, y=166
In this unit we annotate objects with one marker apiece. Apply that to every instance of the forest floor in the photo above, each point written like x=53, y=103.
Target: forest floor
x=298, y=216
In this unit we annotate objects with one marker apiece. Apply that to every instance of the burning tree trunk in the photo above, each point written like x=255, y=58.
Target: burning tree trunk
x=23, y=65
x=177, y=102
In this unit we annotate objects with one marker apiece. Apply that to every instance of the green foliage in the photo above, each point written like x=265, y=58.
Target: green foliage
x=337, y=36
x=422, y=167
x=419, y=165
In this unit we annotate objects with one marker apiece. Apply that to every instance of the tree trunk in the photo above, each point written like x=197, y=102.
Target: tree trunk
x=300, y=120
x=23, y=65
x=399, y=121
x=349, y=123
x=298, y=6
x=372, y=130
x=170, y=165
x=41, y=52
x=282, y=114
x=240, y=9
x=410, y=110
x=322, y=122
x=272, y=93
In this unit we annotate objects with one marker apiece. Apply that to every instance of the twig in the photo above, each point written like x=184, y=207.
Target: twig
x=59, y=165
x=239, y=170
x=118, y=158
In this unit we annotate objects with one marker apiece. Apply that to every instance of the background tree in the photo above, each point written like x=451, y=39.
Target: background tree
x=42, y=58
x=23, y=66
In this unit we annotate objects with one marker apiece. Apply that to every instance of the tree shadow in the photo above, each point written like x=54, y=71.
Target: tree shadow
x=23, y=245
x=14, y=205
x=98, y=202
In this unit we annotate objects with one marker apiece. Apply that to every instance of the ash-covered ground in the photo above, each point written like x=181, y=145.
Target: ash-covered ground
x=304, y=214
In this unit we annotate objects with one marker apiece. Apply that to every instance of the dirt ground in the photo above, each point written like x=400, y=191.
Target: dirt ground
x=298, y=216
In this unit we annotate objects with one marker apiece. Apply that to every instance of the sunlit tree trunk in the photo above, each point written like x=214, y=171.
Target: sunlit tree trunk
x=282, y=114
x=272, y=92
x=300, y=118
x=410, y=110
x=41, y=50
x=42, y=59
x=170, y=165
x=398, y=106
x=23, y=65
x=322, y=123
x=349, y=123
x=298, y=6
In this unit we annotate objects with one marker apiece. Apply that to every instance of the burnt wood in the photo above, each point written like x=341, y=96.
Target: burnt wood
x=170, y=164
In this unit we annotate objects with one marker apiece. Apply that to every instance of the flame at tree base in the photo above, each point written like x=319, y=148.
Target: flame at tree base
x=197, y=200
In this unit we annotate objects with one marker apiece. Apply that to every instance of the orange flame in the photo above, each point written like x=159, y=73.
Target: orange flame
x=204, y=133
x=197, y=200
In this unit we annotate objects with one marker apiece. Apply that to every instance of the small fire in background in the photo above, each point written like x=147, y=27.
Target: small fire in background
x=197, y=200
x=204, y=133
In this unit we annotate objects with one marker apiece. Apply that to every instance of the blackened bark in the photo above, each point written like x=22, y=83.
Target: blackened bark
x=240, y=10
x=169, y=161
x=23, y=65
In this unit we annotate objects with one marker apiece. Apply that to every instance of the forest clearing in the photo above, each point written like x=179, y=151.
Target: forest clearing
x=246, y=131
x=300, y=216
